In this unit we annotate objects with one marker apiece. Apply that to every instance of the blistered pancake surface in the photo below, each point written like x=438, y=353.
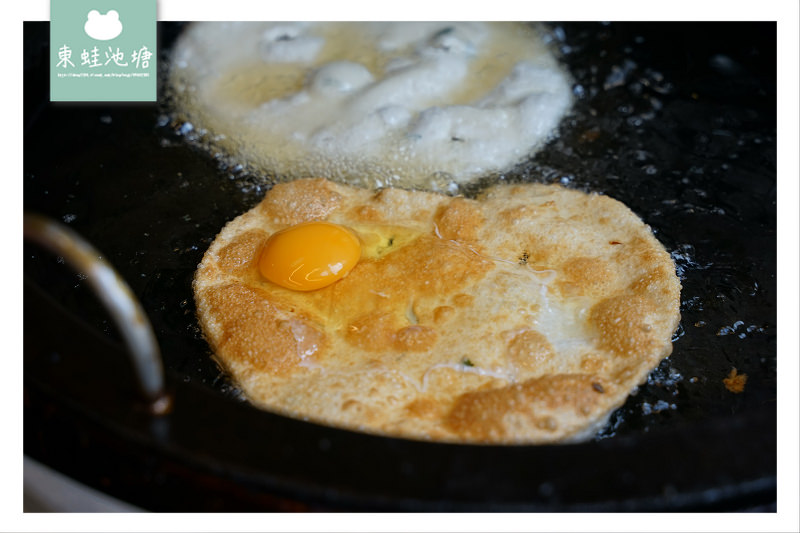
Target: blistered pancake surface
x=524, y=316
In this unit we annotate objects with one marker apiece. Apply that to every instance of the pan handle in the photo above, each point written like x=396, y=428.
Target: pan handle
x=116, y=296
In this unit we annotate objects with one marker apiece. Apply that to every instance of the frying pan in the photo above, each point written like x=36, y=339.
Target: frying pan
x=676, y=120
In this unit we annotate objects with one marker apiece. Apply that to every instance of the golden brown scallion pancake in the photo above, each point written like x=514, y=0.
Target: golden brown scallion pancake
x=526, y=315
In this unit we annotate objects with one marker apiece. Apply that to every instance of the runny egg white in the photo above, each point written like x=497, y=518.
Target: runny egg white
x=422, y=104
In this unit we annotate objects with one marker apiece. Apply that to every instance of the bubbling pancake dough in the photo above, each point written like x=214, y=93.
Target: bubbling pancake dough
x=524, y=316
x=412, y=104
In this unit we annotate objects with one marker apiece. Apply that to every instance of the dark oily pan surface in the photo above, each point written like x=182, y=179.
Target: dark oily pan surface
x=675, y=120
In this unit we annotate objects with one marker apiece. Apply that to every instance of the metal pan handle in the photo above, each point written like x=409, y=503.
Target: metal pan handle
x=116, y=296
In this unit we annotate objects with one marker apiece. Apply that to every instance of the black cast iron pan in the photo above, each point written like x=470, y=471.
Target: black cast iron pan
x=676, y=120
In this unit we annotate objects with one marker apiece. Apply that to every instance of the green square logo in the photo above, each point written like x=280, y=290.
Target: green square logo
x=103, y=51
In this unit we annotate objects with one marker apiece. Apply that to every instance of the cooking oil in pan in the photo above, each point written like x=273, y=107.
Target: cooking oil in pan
x=423, y=105
x=700, y=170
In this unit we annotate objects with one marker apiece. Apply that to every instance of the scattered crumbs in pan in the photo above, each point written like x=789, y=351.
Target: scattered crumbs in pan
x=735, y=382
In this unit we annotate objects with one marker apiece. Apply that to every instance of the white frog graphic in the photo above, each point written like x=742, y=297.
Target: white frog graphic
x=102, y=27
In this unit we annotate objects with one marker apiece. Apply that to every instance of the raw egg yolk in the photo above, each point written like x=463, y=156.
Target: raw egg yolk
x=309, y=256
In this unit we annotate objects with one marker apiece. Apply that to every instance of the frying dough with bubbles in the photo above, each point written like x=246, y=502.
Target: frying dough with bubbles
x=413, y=104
